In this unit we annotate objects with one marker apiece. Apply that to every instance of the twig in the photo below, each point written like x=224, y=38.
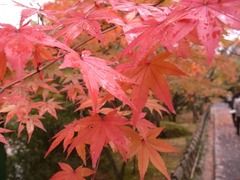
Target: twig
x=2, y=89
x=27, y=76
x=108, y=29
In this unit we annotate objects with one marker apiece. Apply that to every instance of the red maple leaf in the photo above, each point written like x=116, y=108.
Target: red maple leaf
x=144, y=10
x=142, y=125
x=98, y=132
x=66, y=135
x=18, y=45
x=207, y=18
x=68, y=173
x=97, y=72
x=146, y=39
x=17, y=104
x=14, y=104
x=42, y=54
x=76, y=21
x=150, y=75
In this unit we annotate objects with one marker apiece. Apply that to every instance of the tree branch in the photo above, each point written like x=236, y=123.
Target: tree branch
x=2, y=89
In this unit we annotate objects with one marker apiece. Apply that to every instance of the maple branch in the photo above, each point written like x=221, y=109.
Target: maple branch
x=28, y=76
x=2, y=89
x=106, y=30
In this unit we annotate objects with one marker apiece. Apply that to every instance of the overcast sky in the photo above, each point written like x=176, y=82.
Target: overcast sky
x=10, y=13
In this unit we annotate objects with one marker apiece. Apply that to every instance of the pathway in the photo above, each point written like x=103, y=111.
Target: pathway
x=226, y=144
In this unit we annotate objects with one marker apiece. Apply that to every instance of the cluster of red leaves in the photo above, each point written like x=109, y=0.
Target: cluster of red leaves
x=142, y=69
x=68, y=173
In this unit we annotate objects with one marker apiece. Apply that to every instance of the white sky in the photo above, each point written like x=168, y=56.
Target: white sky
x=10, y=13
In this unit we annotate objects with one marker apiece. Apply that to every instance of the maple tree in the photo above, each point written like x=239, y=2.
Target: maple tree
x=42, y=64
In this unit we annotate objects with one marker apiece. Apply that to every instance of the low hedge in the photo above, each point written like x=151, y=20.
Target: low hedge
x=174, y=130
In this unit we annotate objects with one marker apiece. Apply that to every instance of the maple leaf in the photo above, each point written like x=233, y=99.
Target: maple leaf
x=49, y=106
x=146, y=149
x=68, y=173
x=66, y=135
x=146, y=39
x=149, y=17
x=75, y=22
x=28, y=12
x=18, y=104
x=153, y=104
x=95, y=131
x=42, y=54
x=46, y=84
x=30, y=122
x=87, y=103
x=143, y=125
x=73, y=91
x=98, y=132
x=150, y=75
x=144, y=10
x=207, y=18
x=2, y=138
x=18, y=44
x=15, y=103
x=96, y=72
x=204, y=16
x=152, y=34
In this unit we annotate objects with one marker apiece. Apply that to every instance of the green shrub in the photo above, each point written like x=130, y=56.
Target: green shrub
x=174, y=130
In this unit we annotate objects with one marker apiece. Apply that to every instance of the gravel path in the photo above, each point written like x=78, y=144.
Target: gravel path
x=226, y=144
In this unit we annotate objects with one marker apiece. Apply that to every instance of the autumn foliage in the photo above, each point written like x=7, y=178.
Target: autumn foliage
x=98, y=53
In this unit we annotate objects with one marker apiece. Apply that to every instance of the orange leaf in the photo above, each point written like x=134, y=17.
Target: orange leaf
x=146, y=149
